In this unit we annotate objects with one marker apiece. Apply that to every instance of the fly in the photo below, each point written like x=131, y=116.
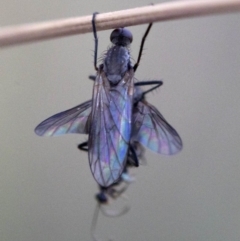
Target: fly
x=117, y=113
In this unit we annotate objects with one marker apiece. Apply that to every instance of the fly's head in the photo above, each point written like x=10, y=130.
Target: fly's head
x=121, y=37
x=117, y=59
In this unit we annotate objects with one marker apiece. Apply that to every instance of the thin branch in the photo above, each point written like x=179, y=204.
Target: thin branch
x=79, y=25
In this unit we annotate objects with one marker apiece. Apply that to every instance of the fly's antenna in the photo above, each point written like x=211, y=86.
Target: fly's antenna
x=141, y=47
x=95, y=40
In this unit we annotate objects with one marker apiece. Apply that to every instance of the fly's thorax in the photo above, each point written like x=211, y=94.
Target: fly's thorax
x=116, y=63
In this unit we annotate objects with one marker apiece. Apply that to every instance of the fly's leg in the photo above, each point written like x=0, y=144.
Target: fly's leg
x=141, y=47
x=95, y=40
x=134, y=156
x=92, y=77
x=83, y=146
x=157, y=84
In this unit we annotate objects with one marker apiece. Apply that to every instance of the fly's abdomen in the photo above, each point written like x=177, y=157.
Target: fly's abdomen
x=116, y=63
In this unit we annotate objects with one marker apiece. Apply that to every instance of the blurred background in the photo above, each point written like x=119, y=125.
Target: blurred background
x=46, y=187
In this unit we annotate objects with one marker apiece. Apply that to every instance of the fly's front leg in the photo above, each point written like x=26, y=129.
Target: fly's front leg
x=95, y=40
x=141, y=47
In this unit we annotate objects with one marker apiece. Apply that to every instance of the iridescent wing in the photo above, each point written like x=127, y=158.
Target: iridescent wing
x=110, y=129
x=73, y=120
x=152, y=130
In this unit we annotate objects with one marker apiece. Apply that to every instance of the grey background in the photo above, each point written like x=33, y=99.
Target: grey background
x=46, y=188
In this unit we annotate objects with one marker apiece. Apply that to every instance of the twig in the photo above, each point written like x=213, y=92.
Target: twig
x=78, y=25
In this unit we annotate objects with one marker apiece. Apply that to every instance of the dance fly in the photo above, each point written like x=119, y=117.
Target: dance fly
x=112, y=117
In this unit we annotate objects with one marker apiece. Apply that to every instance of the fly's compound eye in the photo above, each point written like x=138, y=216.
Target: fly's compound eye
x=121, y=36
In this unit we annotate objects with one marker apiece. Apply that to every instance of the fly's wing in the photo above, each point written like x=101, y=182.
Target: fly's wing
x=110, y=129
x=70, y=121
x=152, y=130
